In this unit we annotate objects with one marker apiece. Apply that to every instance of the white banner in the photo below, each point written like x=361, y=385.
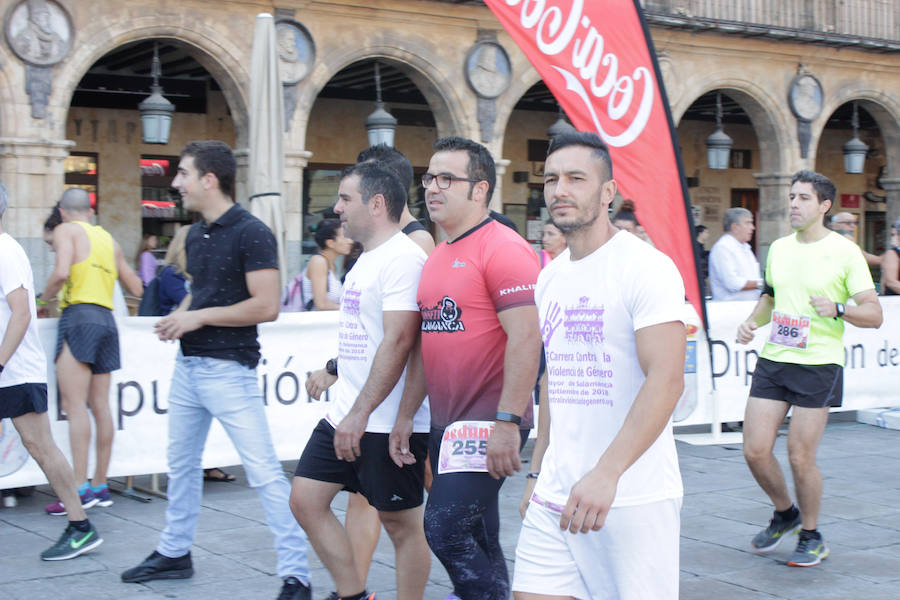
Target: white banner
x=870, y=378
x=292, y=346
x=298, y=343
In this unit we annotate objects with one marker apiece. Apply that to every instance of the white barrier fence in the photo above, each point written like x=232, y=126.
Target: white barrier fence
x=301, y=342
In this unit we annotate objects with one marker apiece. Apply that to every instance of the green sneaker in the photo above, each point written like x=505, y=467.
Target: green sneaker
x=769, y=538
x=811, y=550
x=72, y=543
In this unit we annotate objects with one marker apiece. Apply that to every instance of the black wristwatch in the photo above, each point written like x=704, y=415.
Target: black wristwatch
x=508, y=417
x=331, y=367
x=840, y=309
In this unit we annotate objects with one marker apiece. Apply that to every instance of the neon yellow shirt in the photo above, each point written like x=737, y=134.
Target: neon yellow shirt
x=91, y=281
x=833, y=267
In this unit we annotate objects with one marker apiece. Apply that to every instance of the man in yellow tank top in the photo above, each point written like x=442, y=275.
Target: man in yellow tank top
x=88, y=261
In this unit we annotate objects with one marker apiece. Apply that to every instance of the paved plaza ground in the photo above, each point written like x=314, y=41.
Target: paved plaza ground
x=723, y=508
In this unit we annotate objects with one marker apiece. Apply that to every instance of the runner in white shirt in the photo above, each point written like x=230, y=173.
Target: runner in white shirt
x=733, y=268
x=23, y=391
x=379, y=328
x=602, y=519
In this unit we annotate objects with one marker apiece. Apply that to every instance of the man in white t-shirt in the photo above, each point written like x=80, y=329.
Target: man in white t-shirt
x=602, y=505
x=23, y=391
x=379, y=327
x=733, y=268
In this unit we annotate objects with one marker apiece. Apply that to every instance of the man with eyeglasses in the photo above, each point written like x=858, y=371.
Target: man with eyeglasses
x=480, y=349
x=845, y=223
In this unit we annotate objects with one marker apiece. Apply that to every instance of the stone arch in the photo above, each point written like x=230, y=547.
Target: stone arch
x=765, y=112
x=7, y=103
x=415, y=60
x=883, y=108
x=216, y=53
x=511, y=97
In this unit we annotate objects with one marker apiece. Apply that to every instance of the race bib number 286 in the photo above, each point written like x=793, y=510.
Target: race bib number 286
x=789, y=331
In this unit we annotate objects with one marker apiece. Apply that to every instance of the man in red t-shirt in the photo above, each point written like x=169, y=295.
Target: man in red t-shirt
x=480, y=350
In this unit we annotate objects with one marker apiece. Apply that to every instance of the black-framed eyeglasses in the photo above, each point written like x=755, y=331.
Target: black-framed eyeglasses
x=444, y=180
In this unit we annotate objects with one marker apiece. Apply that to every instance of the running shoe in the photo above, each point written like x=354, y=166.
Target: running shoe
x=811, y=550
x=769, y=538
x=157, y=566
x=294, y=589
x=88, y=499
x=72, y=543
x=104, y=498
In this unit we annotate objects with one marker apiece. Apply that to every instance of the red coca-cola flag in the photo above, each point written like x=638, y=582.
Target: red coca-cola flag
x=597, y=58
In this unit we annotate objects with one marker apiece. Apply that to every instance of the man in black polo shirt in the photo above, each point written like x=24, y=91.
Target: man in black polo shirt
x=232, y=259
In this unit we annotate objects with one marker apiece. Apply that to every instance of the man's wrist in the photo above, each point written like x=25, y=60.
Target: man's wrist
x=508, y=417
x=40, y=302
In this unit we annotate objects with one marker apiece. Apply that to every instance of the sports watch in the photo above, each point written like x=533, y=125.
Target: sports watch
x=840, y=309
x=331, y=367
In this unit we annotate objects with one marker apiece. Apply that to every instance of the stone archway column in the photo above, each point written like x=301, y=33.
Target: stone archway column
x=295, y=161
x=33, y=172
x=891, y=187
x=774, y=222
x=500, y=165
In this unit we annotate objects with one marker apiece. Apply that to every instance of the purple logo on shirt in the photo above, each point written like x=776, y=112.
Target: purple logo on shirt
x=551, y=322
x=584, y=323
x=350, y=300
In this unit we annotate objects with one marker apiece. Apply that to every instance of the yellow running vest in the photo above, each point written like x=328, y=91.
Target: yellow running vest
x=91, y=281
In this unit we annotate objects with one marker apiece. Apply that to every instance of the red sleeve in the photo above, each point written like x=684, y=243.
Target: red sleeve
x=510, y=273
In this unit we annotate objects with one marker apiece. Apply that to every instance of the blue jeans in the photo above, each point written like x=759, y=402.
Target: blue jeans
x=203, y=388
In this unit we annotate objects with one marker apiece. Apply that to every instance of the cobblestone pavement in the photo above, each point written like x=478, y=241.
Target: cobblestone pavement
x=723, y=508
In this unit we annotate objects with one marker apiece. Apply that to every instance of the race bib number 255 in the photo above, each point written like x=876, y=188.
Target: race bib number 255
x=464, y=447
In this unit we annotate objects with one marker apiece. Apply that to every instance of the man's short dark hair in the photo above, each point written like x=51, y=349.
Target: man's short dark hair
x=481, y=163
x=824, y=187
x=375, y=178
x=392, y=159
x=587, y=139
x=213, y=156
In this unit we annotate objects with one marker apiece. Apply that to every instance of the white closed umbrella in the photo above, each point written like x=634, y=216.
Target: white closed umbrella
x=266, y=177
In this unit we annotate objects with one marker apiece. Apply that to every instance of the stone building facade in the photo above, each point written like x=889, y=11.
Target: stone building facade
x=428, y=43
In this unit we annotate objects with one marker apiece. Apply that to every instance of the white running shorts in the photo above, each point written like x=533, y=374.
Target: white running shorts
x=635, y=556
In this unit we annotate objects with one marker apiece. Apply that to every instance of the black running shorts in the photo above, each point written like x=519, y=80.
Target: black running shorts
x=18, y=400
x=92, y=336
x=374, y=475
x=807, y=386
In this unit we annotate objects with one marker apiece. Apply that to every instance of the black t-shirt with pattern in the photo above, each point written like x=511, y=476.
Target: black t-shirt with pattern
x=219, y=255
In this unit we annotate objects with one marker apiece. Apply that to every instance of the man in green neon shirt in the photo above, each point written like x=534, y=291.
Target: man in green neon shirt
x=810, y=275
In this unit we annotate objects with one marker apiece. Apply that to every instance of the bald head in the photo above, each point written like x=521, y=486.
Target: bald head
x=76, y=201
x=844, y=223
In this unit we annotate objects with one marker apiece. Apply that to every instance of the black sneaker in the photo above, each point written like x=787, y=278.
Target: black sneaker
x=769, y=538
x=72, y=543
x=157, y=566
x=294, y=589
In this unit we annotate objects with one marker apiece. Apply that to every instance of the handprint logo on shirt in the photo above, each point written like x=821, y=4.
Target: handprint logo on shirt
x=550, y=322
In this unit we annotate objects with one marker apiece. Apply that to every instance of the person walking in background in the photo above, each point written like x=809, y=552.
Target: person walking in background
x=733, y=268
x=319, y=280
x=701, y=236
x=553, y=242
x=846, y=224
x=146, y=262
x=174, y=281
x=88, y=262
x=890, y=264
x=23, y=391
x=233, y=263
